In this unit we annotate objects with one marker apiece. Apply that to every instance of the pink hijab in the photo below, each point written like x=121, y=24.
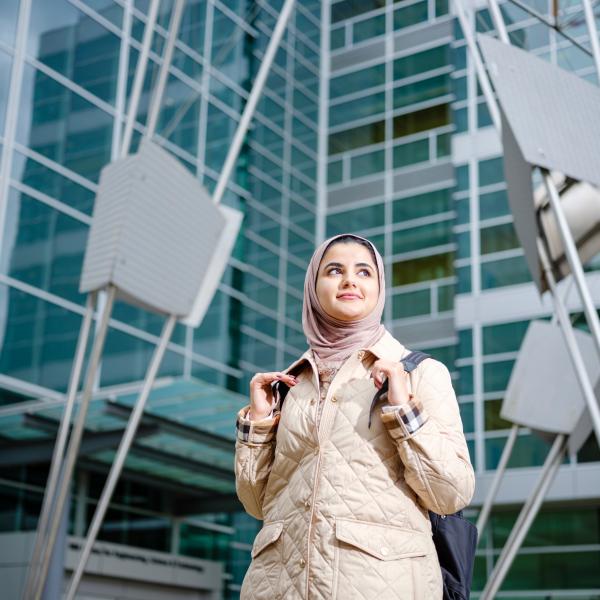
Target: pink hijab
x=330, y=339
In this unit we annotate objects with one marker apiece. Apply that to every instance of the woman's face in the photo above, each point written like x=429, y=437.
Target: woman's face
x=347, y=282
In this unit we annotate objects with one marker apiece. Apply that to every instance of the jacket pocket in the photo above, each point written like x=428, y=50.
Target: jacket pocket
x=268, y=535
x=374, y=561
x=385, y=542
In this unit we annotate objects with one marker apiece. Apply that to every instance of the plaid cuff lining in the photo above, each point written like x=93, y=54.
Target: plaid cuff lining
x=255, y=432
x=405, y=420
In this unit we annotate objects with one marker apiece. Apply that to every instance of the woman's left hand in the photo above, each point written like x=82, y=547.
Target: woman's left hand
x=398, y=380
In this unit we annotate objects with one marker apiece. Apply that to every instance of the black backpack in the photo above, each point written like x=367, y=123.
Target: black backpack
x=454, y=537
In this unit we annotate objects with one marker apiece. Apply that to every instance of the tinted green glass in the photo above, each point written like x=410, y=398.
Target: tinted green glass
x=425, y=236
x=411, y=304
x=505, y=337
x=365, y=135
x=335, y=171
x=498, y=238
x=357, y=109
x=465, y=380
x=496, y=375
x=445, y=354
x=459, y=88
x=422, y=269
x=441, y=7
x=589, y=451
x=419, y=91
x=460, y=118
x=338, y=38
x=410, y=15
x=445, y=298
x=462, y=209
x=459, y=55
x=422, y=120
x=419, y=62
x=492, y=419
x=351, y=8
x=367, y=164
x=357, y=81
x=5, y=67
x=421, y=205
x=356, y=220
x=484, y=119
x=491, y=171
x=508, y=271
x=369, y=28
x=463, y=244
x=465, y=343
x=467, y=416
x=443, y=144
x=528, y=451
x=411, y=153
x=464, y=279
x=493, y=204
x=462, y=178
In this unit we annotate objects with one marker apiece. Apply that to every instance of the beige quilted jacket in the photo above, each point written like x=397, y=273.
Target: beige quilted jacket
x=344, y=505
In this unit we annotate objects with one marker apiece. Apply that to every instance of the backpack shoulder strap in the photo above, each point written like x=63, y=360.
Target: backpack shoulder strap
x=411, y=362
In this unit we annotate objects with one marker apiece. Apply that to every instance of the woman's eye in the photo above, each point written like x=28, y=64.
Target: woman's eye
x=365, y=272
x=334, y=271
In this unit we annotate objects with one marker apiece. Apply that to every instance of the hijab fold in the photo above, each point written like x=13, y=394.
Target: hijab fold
x=331, y=339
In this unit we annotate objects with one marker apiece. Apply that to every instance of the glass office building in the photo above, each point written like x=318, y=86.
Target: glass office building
x=372, y=122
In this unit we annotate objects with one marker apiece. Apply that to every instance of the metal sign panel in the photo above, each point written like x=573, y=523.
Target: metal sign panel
x=554, y=114
x=157, y=236
x=544, y=392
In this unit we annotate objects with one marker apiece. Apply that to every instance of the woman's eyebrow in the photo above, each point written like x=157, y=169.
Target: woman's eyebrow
x=364, y=265
x=333, y=264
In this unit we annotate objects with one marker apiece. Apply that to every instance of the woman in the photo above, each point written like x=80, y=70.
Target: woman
x=345, y=504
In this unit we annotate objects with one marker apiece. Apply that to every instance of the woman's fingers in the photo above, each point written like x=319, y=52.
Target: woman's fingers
x=262, y=379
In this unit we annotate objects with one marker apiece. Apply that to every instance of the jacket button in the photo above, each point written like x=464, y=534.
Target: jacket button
x=302, y=563
x=333, y=399
x=307, y=504
x=312, y=400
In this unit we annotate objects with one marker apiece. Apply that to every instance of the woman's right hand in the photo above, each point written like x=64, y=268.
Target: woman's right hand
x=261, y=393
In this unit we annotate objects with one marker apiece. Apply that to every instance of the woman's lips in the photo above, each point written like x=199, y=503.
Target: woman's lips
x=348, y=297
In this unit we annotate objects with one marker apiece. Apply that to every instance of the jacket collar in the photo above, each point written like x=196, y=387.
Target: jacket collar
x=387, y=347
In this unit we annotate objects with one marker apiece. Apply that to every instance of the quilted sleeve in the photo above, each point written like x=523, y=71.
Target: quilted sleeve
x=431, y=443
x=254, y=454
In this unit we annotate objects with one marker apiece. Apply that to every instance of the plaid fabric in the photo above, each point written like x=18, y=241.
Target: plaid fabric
x=405, y=420
x=256, y=432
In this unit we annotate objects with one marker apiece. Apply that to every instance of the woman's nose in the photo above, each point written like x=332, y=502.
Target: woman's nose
x=348, y=281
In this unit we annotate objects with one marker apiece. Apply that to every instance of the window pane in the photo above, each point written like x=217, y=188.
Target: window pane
x=338, y=38
x=420, y=91
x=363, y=30
x=417, y=63
x=428, y=118
x=356, y=220
x=357, y=137
x=496, y=375
x=410, y=15
x=408, y=154
x=493, y=204
x=508, y=271
x=498, y=238
x=491, y=171
x=411, y=304
x=422, y=269
x=357, y=81
x=357, y=109
x=351, y=8
x=367, y=164
x=421, y=205
x=417, y=238
x=492, y=418
x=506, y=337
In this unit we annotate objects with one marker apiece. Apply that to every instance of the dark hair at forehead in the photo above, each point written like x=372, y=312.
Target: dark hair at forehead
x=351, y=239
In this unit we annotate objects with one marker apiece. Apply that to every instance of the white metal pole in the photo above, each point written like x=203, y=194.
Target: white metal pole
x=484, y=82
x=593, y=33
x=140, y=75
x=574, y=261
x=59, y=447
x=574, y=352
x=73, y=449
x=163, y=76
x=525, y=519
x=255, y=94
x=498, y=474
x=498, y=21
x=119, y=461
